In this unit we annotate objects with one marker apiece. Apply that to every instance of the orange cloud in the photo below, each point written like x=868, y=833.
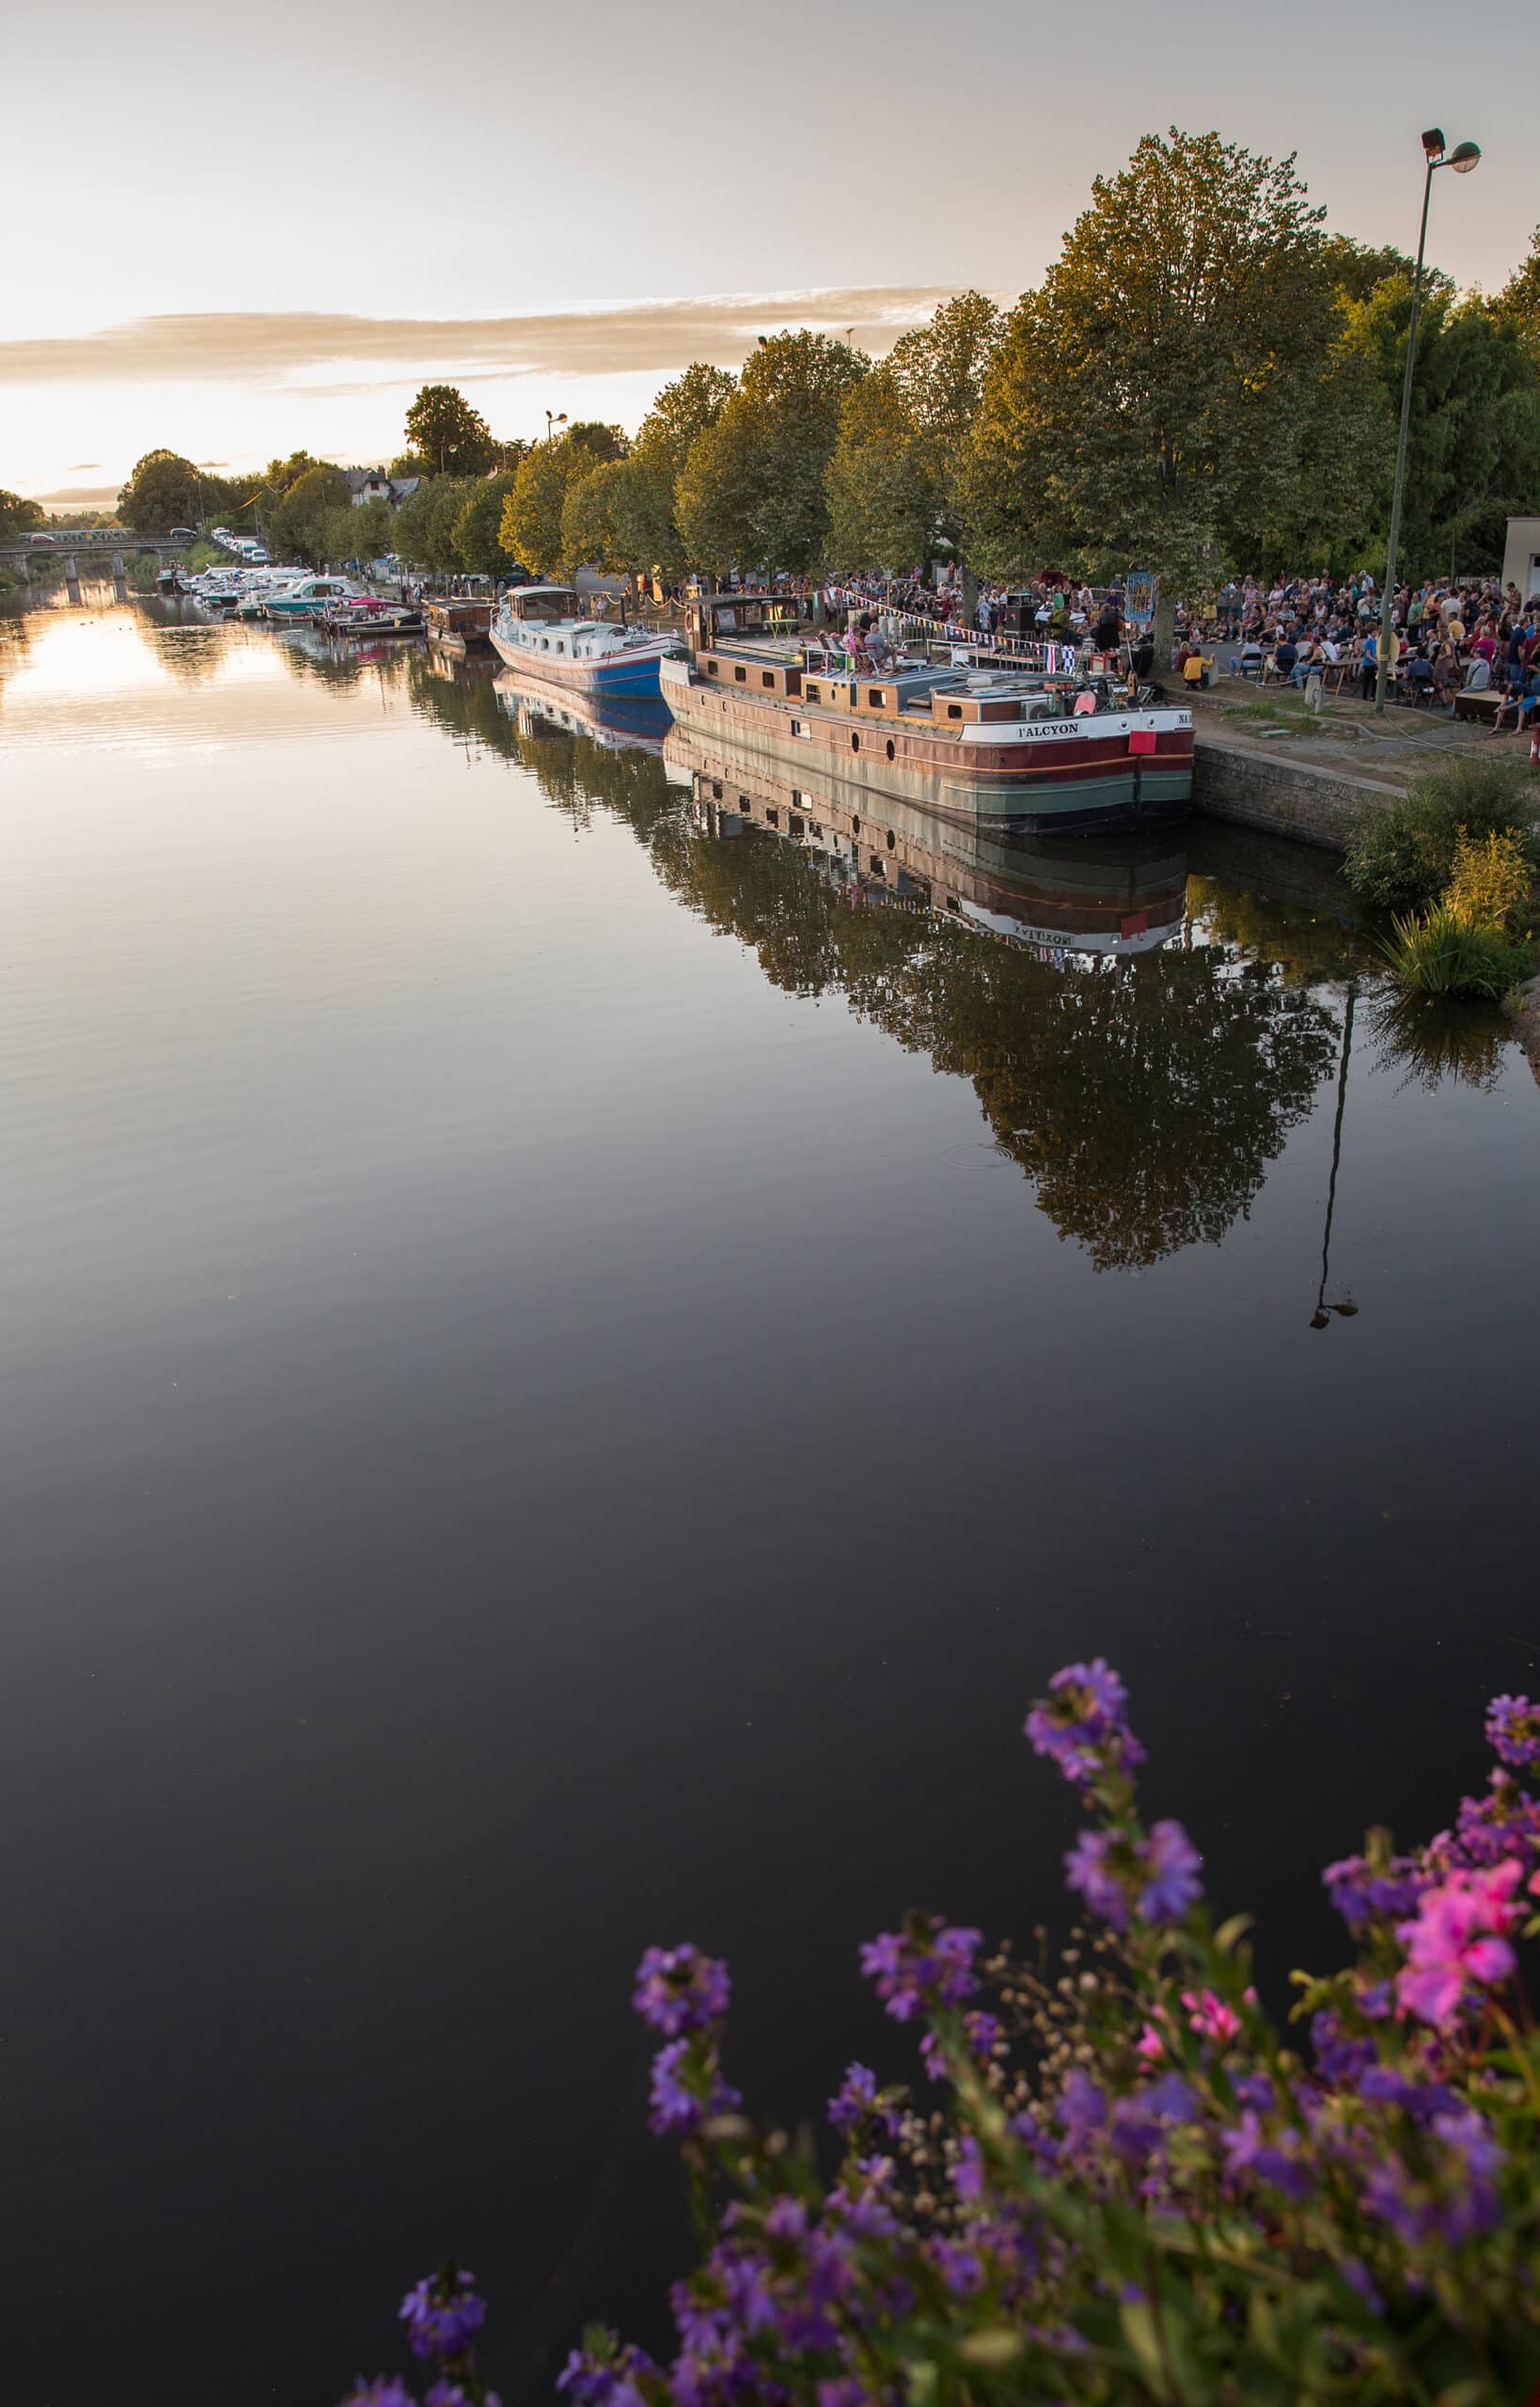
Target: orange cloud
x=283, y=347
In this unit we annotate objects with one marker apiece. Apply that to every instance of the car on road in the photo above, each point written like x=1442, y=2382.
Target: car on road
x=47, y=540
x=184, y=534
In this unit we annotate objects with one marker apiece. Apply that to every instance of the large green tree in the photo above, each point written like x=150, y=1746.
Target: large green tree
x=19, y=514
x=752, y=492
x=425, y=523
x=301, y=525
x=477, y=540
x=453, y=439
x=361, y=531
x=885, y=499
x=1473, y=449
x=531, y=520
x=1158, y=400
x=637, y=503
x=1518, y=303
x=166, y=491
x=895, y=482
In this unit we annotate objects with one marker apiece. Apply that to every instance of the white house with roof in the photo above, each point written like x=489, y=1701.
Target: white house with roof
x=372, y=484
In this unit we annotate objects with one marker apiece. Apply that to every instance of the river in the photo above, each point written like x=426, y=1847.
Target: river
x=568, y=1377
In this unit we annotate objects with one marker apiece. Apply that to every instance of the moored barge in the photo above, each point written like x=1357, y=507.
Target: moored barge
x=1046, y=754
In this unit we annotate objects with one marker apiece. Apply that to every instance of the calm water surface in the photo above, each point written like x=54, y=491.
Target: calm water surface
x=563, y=1386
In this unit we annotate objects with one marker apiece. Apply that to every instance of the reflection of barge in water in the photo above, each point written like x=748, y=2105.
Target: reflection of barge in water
x=620, y=722
x=1015, y=747
x=1054, y=896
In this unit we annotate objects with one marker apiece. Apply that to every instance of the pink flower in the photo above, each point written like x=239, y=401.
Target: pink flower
x=1457, y=1938
x=1209, y=2015
x=1149, y=2044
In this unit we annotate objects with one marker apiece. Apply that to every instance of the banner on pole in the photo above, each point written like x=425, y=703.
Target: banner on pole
x=1139, y=597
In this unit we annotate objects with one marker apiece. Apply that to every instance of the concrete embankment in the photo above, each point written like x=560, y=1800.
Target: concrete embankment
x=1265, y=761
x=1253, y=784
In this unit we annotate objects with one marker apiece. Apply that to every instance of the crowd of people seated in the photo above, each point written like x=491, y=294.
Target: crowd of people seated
x=1447, y=639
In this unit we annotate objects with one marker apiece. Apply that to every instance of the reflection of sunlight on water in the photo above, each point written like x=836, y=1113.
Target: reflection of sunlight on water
x=144, y=676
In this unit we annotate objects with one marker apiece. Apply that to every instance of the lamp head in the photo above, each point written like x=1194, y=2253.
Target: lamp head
x=1465, y=156
x=1433, y=142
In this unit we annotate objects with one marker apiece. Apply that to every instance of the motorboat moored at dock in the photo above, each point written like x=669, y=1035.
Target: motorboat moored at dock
x=543, y=629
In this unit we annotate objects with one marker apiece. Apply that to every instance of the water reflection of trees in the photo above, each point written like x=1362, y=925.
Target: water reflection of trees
x=1143, y=1097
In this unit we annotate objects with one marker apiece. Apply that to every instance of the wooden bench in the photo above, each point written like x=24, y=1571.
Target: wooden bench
x=1478, y=706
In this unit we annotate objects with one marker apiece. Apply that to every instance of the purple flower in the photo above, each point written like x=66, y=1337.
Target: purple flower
x=1383, y=2085
x=1249, y=2151
x=605, y=2377
x=1339, y=2056
x=1513, y=1729
x=960, y=2267
x=1504, y=1823
x=1454, y=2200
x=1082, y=2110
x=856, y=2097
x=680, y=1990
x=1171, y=1865
x=443, y=2315
x=1362, y=1894
x=454, y=2393
x=1255, y=2089
x=1359, y=2278
x=386, y=2390
x=926, y=1965
x=841, y=2390
x=968, y=2173
x=1088, y=1867
x=1083, y=1722
x=686, y=2088
x=1172, y=2097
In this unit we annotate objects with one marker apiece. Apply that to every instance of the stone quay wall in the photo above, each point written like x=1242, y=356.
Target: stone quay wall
x=1253, y=786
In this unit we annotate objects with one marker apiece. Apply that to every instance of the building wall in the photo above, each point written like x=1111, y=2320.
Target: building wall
x=1521, y=555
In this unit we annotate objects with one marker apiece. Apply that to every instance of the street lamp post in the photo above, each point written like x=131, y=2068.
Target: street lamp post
x=1464, y=156
x=553, y=420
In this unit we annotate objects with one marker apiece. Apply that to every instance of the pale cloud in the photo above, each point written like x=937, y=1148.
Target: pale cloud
x=79, y=497
x=82, y=467
x=296, y=348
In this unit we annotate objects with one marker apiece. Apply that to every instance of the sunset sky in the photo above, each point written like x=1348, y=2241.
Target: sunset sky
x=280, y=223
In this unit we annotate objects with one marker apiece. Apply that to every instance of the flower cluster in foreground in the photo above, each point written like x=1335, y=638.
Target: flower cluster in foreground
x=1129, y=2186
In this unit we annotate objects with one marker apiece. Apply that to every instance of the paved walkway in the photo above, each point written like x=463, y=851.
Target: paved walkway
x=1346, y=734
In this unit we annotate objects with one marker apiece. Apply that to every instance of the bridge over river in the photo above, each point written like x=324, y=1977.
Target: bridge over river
x=115, y=545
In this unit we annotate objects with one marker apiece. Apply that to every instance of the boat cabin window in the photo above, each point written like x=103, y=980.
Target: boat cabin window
x=742, y=676
x=546, y=608
x=874, y=698
x=811, y=692
x=713, y=668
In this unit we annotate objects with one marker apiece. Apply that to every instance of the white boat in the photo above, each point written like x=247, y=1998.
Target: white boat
x=541, y=629
x=309, y=594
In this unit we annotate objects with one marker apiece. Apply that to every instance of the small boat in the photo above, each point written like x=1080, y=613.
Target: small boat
x=541, y=629
x=307, y=595
x=367, y=615
x=459, y=624
x=1042, y=746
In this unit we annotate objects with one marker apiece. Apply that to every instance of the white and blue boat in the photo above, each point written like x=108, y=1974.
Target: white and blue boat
x=307, y=595
x=541, y=629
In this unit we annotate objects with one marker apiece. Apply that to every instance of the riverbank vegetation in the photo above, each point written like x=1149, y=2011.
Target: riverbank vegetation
x=1402, y=859
x=1116, y=2178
